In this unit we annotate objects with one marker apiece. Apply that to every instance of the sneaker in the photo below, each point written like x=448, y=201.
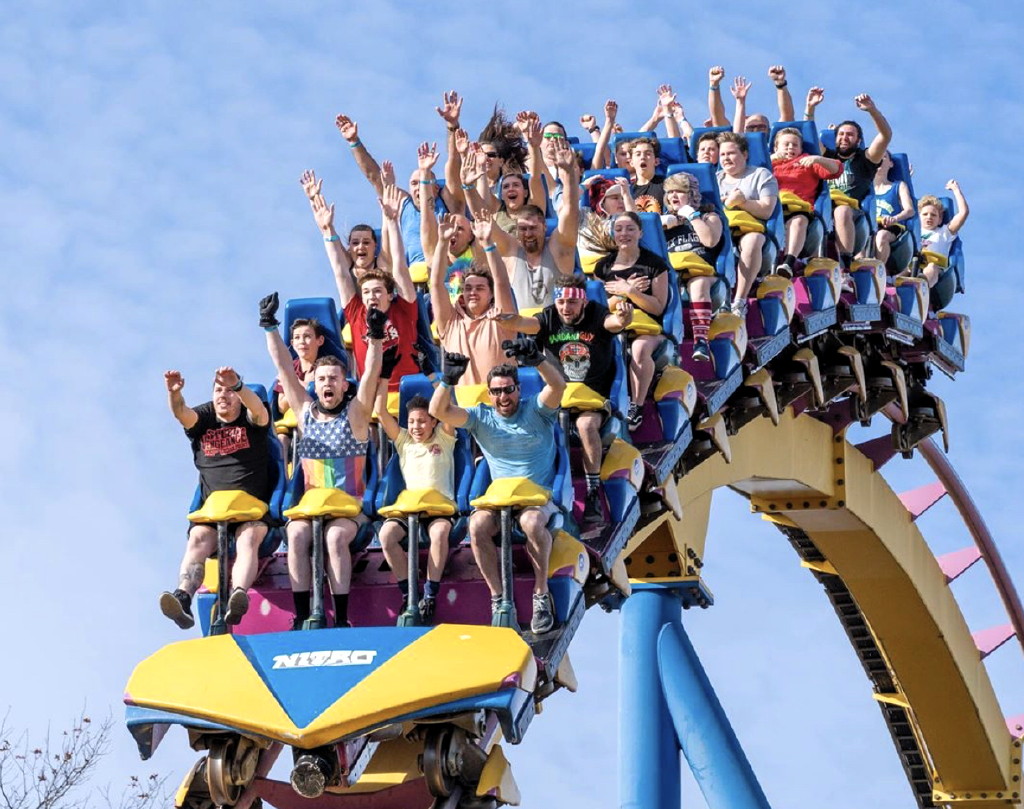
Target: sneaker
x=238, y=604
x=495, y=605
x=543, y=614
x=784, y=270
x=426, y=606
x=592, y=506
x=635, y=416
x=739, y=308
x=178, y=607
x=701, y=350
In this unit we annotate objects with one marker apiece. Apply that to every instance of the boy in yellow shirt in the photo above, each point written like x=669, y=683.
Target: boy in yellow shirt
x=426, y=455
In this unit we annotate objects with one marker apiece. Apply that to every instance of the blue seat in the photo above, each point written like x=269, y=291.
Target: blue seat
x=653, y=236
x=758, y=152
x=430, y=358
x=608, y=174
x=587, y=152
x=673, y=150
x=705, y=174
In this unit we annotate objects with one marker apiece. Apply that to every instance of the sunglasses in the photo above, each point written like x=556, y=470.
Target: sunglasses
x=554, y=135
x=490, y=154
x=507, y=389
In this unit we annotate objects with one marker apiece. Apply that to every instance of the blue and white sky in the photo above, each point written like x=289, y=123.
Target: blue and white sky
x=149, y=157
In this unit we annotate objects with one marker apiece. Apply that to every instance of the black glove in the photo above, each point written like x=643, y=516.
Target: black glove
x=268, y=309
x=453, y=367
x=375, y=320
x=388, y=361
x=525, y=350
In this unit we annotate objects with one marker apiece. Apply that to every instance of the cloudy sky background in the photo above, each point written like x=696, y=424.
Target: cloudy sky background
x=149, y=197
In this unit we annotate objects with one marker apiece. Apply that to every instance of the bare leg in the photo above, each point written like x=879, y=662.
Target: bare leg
x=538, y=545
x=750, y=264
x=439, y=532
x=337, y=541
x=931, y=274
x=247, y=545
x=300, y=542
x=845, y=231
x=391, y=535
x=589, y=427
x=202, y=542
x=796, y=234
x=641, y=365
x=883, y=245
x=483, y=528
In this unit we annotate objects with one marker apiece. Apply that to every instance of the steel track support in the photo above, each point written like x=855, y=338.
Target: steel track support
x=667, y=705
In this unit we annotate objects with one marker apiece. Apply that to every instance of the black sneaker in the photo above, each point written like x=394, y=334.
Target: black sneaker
x=592, y=506
x=784, y=270
x=635, y=416
x=427, y=604
x=543, y=619
x=238, y=604
x=178, y=607
x=701, y=350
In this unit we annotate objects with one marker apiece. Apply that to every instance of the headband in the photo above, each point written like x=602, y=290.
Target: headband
x=569, y=293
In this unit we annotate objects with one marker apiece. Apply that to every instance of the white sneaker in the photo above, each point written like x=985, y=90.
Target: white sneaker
x=739, y=308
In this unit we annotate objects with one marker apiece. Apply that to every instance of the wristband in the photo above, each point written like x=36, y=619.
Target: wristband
x=427, y=182
x=808, y=113
x=334, y=238
x=238, y=387
x=781, y=85
x=594, y=129
x=694, y=215
x=453, y=129
x=269, y=328
x=354, y=143
x=467, y=187
x=443, y=384
x=490, y=248
x=714, y=88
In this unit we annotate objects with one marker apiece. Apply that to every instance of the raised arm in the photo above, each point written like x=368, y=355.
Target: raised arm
x=380, y=407
x=567, y=231
x=441, y=407
x=341, y=262
x=602, y=157
x=439, y=299
x=390, y=205
x=962, y=209
x=652, y=123
x=361, y=408
x=452, y=191
x=716, y=109
x=814, y=97
x=526, y=351
x=777, y=73
x=228, y=377
x=294, y=389
x=486, y=233
x=349, y=130
x=589, y=124
x=426, y=157
x=186, y=416
x=668, y=102
x=473, y=178
x=740, y=88
x=876, y=151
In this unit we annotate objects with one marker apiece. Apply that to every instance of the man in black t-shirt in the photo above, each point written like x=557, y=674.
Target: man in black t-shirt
x=581, y=335
x=231, y=448
x=859, y=167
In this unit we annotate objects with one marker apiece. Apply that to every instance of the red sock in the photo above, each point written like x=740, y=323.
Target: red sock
x=700, y=319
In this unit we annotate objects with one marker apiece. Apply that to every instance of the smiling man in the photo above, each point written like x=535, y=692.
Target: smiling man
x=517, y=437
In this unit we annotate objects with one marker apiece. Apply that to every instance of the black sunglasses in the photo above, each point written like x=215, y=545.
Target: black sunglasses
x=509, y=389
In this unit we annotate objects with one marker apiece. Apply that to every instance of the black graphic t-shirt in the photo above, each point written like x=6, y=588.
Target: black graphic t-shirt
x=858, y=174
x=650, y=197
x=233, y=455
x=583, y=349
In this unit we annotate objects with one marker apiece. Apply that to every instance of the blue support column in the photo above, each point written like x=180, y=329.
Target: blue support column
x=667, y=704
x=648, y=752
x=704, y=733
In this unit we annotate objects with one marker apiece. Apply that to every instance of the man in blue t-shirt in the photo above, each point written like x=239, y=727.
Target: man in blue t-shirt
x=517, y=437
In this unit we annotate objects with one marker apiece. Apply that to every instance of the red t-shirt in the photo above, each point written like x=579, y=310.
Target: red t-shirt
x=802, y=180
x=399, y=330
